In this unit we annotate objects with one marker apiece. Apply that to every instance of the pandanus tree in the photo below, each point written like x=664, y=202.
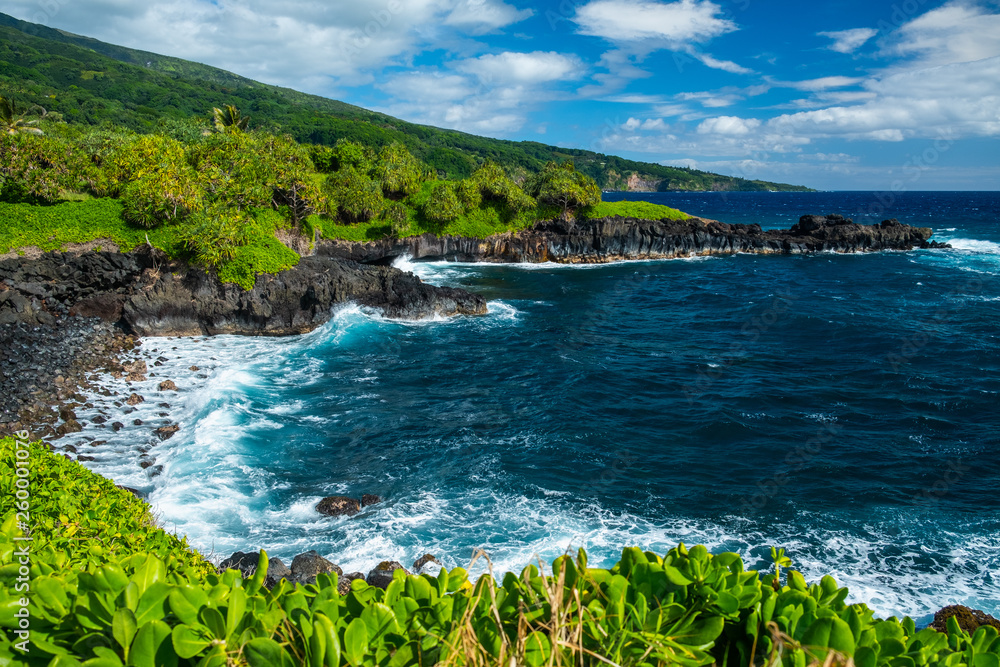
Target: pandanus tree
x=12, y=122
x=563, y=186
x=230, y=119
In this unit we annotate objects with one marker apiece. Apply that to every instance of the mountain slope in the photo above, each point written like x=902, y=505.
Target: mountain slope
x=93, y=82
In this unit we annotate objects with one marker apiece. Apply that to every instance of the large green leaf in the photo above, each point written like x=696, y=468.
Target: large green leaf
x=537, y=649
x=702, y=632
x=356, y=642
x=124, y=627
x=189, y=641
x=380, y=621
x=152, y=646
x=263, y=652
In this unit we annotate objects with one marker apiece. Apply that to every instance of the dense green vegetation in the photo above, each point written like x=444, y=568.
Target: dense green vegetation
x=90, y=82
x=103, y=586
x=218, y=195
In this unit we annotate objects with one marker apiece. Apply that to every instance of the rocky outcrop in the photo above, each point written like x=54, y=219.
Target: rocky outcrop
x=338, y=506
x=306, y=566
x=380, y=576
x=968, y=619
x=150, y=296
x=615, y=239
x=247, y=563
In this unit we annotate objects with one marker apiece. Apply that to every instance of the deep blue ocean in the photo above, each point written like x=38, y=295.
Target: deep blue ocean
x=845, y=407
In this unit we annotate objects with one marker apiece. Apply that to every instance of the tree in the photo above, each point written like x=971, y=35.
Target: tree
x=442, y=206
x=495, y=185
x=562, y=185
x=397, y=171
x=11, y=122
x=355, y=196
x=230, y=119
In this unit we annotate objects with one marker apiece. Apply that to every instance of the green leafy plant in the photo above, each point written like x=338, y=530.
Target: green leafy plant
x=129, y=594
x=229, y=119
x=13, y=122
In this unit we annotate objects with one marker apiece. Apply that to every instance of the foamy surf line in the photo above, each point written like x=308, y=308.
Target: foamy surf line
x=437, y=270
x=121, y=437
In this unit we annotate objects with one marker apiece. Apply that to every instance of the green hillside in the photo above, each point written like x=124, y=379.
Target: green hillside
x=94, y=83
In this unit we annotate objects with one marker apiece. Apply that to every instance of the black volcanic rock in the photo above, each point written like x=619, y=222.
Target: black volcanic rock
x=151, y=296
x=617, y=238
x=338, y=506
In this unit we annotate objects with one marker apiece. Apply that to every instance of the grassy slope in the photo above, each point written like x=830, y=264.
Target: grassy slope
x=92, y=82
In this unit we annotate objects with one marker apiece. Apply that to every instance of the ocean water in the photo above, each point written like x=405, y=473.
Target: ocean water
x=845, y=407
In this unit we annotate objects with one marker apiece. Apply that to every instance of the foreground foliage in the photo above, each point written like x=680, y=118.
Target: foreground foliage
x=107, y=588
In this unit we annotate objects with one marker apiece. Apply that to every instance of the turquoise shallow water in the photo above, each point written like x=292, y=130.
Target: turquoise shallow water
x=844, y=407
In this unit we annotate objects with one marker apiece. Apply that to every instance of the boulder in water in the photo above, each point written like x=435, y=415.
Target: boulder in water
x=338, y=506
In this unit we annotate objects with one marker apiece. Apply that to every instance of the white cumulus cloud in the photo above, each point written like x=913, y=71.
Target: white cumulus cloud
x=959, y=31
x=849, y=41
x=523, y=68
x=728, y=125
x=679, y=22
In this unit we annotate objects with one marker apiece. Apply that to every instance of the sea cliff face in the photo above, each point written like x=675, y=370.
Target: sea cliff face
x=615, y=239
x=151, y=296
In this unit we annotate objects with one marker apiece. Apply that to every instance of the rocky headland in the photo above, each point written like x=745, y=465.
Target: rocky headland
x=66, y=316
x=616, y=239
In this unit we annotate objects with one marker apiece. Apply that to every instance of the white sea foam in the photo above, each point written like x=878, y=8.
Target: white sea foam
x=977, y=246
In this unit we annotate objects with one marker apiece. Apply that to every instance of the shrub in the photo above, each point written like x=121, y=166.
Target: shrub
x=40, y=169
x=442, y=206
x=354, y=195
x=495, y=186
x=398, y=172
x=162, y=196
x=126, y=158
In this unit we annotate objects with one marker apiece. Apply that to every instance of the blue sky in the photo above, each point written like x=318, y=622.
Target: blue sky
x=848, y=94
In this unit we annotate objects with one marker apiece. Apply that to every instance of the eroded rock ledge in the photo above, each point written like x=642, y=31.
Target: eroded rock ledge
x=150, y=296
x=615, y=239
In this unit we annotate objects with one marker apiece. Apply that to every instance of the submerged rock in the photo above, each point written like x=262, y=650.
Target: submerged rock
x=167, y=432
x=370, y=499
x=338, y=506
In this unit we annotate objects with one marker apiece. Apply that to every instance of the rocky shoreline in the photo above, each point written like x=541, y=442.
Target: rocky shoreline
x=66, y=318
x=620, y=239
